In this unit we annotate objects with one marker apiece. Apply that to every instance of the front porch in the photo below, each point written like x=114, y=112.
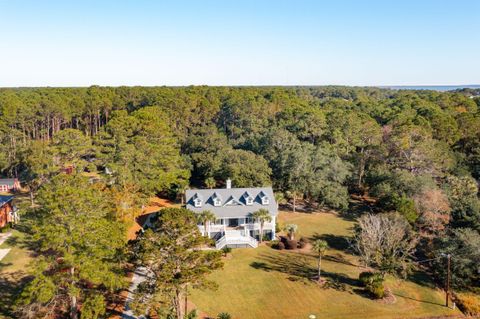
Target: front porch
x=238, y=232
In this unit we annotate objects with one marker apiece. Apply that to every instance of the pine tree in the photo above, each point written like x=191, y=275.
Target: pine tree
x=80, y=246
x=169, y=252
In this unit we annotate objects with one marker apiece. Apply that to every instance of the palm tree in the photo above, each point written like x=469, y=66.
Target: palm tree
x=279, y=198
x=319, y=246
x=262, y=215
x=206, y=217
x=291, y=229
x=210, y=182
x=224, y=315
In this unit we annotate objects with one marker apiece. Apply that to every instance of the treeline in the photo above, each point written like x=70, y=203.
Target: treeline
x=416, y=153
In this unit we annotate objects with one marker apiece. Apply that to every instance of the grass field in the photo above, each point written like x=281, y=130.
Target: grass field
x=13, y=272
x=266, y=283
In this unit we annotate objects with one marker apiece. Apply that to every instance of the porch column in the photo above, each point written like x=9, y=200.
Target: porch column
x=273, y=227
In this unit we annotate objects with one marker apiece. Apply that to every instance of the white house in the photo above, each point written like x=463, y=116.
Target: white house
x=234, y=226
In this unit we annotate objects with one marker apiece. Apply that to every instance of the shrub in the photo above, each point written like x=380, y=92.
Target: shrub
x=469, y=303
x=5, y=229
x=276, y=244
x=192, y=314
x=378, y=291
x=373, y=283
x=291, y=244
x=365, y=277
x=303, y=242
x=226, y=250
x=224, y=315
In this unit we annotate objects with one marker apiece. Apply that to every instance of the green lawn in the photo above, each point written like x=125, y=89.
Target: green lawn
x=266, y=283
x=13, y=271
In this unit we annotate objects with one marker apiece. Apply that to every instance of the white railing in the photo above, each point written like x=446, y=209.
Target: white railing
x=256, y=226
x=236, y=237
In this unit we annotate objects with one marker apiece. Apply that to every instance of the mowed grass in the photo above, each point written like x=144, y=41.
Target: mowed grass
x=266, y=283
x=13, y=272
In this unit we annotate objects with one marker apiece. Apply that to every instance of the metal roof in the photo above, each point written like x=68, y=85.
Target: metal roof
x=232, y=210
x=5, y=199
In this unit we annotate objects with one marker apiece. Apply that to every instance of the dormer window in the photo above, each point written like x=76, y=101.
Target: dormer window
x=216, y=200
x=264, y=198
x=197, y=202
x=248, y=199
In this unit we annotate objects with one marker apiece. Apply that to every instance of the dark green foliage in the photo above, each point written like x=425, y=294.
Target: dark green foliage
x=173, y=233
x=373, y=283
x=224, y=315
x=192, y=314
x=226, y=250
x=316, y=145
x=464, y=246
x=140, y=149
x=80, y=248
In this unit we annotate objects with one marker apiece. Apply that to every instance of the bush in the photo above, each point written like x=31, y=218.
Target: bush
x=6, y=228
x=226, y=250
x=291, y=244
x=303, y=242
x=378, y=291
x=469, y=303
x=192, y=314
x=276, y=244
x=373, y=283
x=224, y=315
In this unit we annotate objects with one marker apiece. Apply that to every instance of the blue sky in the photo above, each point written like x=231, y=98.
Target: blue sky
x=261, y=42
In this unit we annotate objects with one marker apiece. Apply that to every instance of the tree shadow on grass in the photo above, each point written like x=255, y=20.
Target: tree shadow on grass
x=10, y=286
x=422, y=278
x=297, y=267
x=418, y=300
x=356, y=208
x=334, y=241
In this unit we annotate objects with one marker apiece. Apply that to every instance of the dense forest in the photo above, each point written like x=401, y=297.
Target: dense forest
x=415, y=154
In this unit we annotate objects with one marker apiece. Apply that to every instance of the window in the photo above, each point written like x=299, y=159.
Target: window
x=197, y=202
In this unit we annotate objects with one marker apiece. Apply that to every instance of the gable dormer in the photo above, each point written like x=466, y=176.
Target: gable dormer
x=248, y=198
x=216, y=200
x=232, y=201
x=197, y=200
x=264, y=198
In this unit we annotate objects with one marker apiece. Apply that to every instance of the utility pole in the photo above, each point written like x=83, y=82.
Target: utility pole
x=447, y=284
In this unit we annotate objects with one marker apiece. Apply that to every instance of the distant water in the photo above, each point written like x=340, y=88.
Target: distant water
x=432, y=87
